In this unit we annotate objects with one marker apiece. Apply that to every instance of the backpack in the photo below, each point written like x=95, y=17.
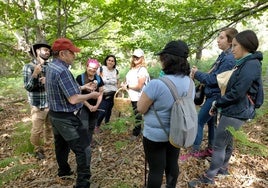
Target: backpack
x=256, y=93
x=183, y=119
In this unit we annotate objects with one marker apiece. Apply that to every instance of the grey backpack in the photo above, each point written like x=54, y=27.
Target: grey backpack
x=183, y=119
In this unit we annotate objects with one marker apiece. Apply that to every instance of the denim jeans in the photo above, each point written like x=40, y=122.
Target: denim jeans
x=162, y=157
x=223, y=145
x=203, y=118
x=105, y=107
x=70, y=133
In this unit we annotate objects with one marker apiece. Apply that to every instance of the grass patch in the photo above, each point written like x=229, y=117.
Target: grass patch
x=246, y=146
x=14, y=172
x=20, y=139
x=7, y=161
x=11, y=168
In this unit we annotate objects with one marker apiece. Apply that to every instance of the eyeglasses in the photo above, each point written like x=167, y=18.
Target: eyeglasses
x=92, y=68
x=69, y=51
x=136, y=58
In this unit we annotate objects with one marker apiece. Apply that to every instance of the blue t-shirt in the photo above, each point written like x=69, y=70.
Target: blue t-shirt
x=163, y=100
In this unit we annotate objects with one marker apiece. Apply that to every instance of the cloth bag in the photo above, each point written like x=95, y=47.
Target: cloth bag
x=223, y=79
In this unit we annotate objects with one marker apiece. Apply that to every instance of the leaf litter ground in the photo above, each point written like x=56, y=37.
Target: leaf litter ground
x=113, y=166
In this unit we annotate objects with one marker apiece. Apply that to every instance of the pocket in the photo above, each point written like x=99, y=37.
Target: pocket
x=67, y=128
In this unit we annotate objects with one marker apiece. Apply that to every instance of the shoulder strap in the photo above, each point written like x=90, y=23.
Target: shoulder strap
x=173, y=89
x=83, y=79
x=98, y=78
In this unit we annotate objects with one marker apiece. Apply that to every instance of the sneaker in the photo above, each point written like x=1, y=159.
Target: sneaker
x=65, y=176
x=185, y=157
x=202, y=180
x=202, y=154
x=40, y=155
x=223, y=172
x=97, y=130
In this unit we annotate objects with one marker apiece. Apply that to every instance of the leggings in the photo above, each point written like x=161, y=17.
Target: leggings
x=162, y=157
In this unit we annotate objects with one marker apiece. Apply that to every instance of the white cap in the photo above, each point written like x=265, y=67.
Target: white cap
x=138, y=53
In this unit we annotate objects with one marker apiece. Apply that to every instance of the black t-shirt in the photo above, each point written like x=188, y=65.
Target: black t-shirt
x=82, y=81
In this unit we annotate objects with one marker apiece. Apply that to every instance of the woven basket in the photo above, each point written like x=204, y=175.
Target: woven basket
x=122, y=102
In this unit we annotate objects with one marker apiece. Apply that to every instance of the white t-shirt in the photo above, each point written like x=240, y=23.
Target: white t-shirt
x=132, y=79
x=109, y=78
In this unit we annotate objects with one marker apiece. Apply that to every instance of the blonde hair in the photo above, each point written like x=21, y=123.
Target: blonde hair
x=142, y=64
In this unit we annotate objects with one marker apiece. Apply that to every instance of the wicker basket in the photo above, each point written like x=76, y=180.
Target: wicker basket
x=122, y=102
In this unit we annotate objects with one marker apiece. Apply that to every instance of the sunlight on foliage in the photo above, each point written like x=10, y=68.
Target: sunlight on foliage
x=12, y=87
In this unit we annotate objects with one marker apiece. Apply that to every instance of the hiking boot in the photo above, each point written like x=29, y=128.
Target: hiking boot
x=40, y=155
x=202, y=180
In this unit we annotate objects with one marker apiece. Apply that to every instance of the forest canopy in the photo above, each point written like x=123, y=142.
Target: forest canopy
x=101, y=27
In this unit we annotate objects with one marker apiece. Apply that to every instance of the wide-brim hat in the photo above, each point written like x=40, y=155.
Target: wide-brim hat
x=37, y=46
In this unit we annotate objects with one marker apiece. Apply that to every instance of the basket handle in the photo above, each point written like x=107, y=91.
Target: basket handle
x=122, y=90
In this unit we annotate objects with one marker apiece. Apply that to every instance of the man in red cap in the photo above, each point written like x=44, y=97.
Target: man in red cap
x=34, y=80
x=65, y=101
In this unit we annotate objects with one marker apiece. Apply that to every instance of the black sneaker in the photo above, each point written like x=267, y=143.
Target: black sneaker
x=40, y=155
x=66, y=175
x=202, y=180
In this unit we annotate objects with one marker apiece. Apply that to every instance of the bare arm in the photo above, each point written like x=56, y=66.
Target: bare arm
x=144, y=103
x=138, y=87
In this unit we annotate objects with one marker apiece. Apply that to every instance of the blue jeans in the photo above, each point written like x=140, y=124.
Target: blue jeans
x=105, y=107
x=70, y=133
x=162, y=157
x=203, y=118
x=223, y=145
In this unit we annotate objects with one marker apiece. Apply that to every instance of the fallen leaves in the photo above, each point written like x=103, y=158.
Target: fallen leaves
x=117, y=161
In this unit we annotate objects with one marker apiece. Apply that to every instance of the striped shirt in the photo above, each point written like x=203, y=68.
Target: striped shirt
x=60, y=85
x=35, y=89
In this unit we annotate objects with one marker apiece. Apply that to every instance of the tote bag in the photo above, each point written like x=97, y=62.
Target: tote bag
x=223, y=79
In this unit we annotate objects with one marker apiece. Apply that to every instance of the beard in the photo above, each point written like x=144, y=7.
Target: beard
x=44, y=56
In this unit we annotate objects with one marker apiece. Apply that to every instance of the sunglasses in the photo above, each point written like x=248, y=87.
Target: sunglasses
x=136, y=58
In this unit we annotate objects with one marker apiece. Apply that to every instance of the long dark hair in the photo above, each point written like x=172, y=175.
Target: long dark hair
x=107, y=57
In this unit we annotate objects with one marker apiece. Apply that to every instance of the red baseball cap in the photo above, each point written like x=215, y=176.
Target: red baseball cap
x=64, y=44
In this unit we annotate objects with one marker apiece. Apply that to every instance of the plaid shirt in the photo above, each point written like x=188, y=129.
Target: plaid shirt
x=60, y=85
x=35, y=89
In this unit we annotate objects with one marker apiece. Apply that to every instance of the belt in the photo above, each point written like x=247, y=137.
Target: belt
x=63, y=114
